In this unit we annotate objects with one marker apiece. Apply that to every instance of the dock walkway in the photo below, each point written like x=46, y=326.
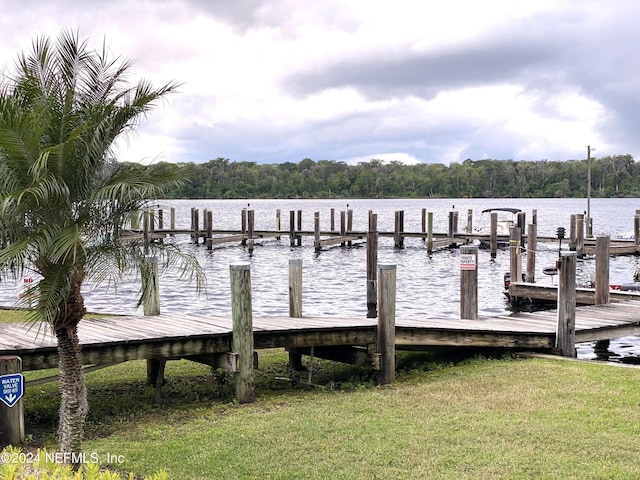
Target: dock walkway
x=172, y=336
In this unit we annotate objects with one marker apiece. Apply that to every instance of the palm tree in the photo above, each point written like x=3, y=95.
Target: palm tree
x=63, y=197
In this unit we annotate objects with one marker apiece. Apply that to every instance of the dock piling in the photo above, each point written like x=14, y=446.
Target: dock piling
x=566, y=331
x=602, y=269
x=469, y=282
x=386, y=336
x=372, y=266
x=295, y=304
x=242, y=319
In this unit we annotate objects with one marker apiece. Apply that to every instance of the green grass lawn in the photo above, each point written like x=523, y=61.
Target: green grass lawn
x=464, y=417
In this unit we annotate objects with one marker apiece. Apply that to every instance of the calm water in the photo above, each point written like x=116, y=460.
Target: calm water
x=334, y=281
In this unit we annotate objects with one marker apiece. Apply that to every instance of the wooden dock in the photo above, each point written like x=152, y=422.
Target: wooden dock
x=203, y=337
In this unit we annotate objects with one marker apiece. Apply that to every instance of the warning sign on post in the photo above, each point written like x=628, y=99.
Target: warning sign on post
x=467, y=261
x=11, y=388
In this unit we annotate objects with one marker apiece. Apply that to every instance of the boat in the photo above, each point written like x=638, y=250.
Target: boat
x=506, y=221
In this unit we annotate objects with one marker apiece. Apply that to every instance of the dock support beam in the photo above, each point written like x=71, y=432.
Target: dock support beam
x=602, y=269
x=295, y=304
x=242, y=317
x=11, y=418
x=566, y=335
x=532, y=246
x=469, y=282
x=387, y=323
x=372, y=266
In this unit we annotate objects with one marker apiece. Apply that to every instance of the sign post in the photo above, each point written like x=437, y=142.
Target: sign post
x=469, y=282
x=11, y=410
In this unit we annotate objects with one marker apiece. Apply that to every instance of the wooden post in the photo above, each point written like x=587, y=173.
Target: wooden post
x=493, y=235
x=295, y=304
x=195, y=225
x=160, y=219
x=430, y=232
x=11, y=418
x=469, y=221
x=316, y=231
x=278, y=223
x=636, y=229
x=135, y=220
x=242, y=317
x=243, y=226
x=424, y=223
x=349, y=223
x=532, y=245
x=602, y=269
x=573, y=236
x=397, y=230
x=150, y=286
x=250, y=230
x=151, y=307
x=387, y=323
x=172, y=218
x=209, y=230
x=292, y=228
x=299, y=229
x=372, y=266
x=580, y=235
x=333, y=220
x=515, y=260
x=343, y=226
x=469, y=282
x=145, y=229
x=566, y=333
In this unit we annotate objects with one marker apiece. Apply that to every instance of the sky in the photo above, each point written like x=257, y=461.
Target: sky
x=273, y=81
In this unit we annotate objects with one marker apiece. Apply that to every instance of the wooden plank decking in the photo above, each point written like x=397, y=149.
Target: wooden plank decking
x=122, y=338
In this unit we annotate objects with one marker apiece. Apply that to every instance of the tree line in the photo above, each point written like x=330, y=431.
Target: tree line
x=611, y=176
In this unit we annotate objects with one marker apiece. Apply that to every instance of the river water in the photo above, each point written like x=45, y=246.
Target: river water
x=334, y=281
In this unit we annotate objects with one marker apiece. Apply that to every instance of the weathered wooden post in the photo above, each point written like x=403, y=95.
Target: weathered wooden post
x=209, y=230
x=151, y=292
x=424, y=223
x=493, y=235
x=242, y=317
x=469, y=282
x=299, y=229
x=636, y=229
x=372, y=266
x=172, y=218
x=151, y=307
x=430, y=232
x=580, y=235
x=250, y=230
x=316, y=231
x=295, y=304
x=11, y=413
x=292, y=228
x=521, y=219
x=387, y=323
x=469, y=229
x=515, y=259
x=160, y=219
x=573, y=236
x=349, y=223
x=332, y=227
x=278, y=225
x=602, y=269
x=566, y=332
x=195, y=225
x=343, y=226
x=398, y=238
x=532, y=245
x=243, y=226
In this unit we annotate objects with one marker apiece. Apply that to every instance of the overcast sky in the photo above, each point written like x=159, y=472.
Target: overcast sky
x=412, y=80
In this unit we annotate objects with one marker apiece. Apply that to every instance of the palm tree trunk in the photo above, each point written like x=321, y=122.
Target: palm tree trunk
x=73, y=392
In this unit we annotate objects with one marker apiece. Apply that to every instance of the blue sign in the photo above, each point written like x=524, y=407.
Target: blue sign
x=11, y=388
